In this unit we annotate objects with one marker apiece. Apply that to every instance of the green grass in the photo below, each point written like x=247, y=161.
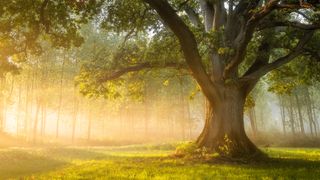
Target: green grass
x=149, y=162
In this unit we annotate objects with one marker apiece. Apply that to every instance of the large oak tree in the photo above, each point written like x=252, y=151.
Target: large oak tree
x=227, y=45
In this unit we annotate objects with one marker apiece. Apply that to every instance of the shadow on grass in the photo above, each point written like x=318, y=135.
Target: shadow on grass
x=106, y=163
x=275, y=168
x=26, y=162
x=68, y=154
x=288, y=163
x=15, y=164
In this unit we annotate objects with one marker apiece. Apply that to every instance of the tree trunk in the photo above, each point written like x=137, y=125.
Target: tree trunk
x=300, y=114
x=36, y=121
x=253, y=123
x=18, y=123
x=189, y=120
x=314, y=117
x=74, y=118
x=224, y=130
x=2, y=104
x=309, y=112
x=89, y=124
x=292, y=119
x=182, y=110
x=60, y=97
x=283, y=114
x=146, y=119
x=43, y=119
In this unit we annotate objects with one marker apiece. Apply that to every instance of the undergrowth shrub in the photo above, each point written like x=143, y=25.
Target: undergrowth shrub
x=190, y=150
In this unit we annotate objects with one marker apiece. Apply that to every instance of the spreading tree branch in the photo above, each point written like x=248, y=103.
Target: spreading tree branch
x=247, y=28
x=272, y=24
x=111, y=75
x=259, y=72
x=207, y=13
x=193, y=16
x=254, y=20
x=188, y=44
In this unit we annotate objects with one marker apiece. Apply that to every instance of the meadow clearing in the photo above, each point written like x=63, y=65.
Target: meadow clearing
x=150, y=162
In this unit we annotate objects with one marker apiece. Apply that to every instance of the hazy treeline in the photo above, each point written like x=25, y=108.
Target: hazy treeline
x=41, y=102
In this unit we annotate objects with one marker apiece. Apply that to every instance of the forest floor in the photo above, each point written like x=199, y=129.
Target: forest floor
x=149, y=162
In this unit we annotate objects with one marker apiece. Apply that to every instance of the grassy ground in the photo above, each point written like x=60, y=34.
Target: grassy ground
x=149, y=162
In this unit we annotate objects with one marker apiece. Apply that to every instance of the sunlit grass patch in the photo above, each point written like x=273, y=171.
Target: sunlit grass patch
x=135, y=163
x=312, y=154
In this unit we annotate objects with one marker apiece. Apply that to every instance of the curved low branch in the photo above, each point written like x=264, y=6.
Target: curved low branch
x=139, y=67
x=188, y=44
x=273, y=5
x=265, y=10
x=281, y=61
x=265, y=25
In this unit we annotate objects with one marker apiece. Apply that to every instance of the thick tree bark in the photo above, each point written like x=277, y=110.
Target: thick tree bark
x=224, y=131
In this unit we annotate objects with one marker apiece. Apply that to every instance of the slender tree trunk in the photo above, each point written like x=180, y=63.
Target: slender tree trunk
x=2, y=104
x=292, y=119
x=89, y=124
x=75, y=115
x=146, y=119
x=18, y=123
x=182, y=110
x=314, y=119
x=146, y=110
x=26, y=117
x=6, y=99
x=283, y=118
x=30, y=107
x=131, y=119
x=60, y=97
x=300, y=114
x=43, y=118
x=189, y=120
x=36, y=121
x=312, y=123
x=224, y=127
x=283, y=113
x=106, y=121
x=252, y=118
x=313, y=109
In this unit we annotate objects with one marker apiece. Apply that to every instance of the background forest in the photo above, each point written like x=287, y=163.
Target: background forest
x=48, y=98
